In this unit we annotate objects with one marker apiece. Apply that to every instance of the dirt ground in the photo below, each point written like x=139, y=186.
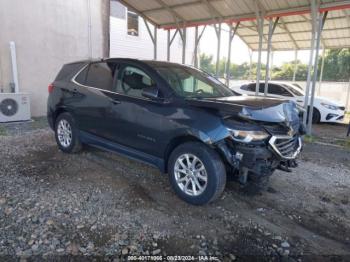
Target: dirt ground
x=96, y=204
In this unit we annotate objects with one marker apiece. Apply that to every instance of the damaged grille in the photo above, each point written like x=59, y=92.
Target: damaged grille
x=285, y=146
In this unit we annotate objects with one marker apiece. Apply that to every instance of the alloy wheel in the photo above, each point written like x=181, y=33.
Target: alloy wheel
x=190, y=174
x=64, y=133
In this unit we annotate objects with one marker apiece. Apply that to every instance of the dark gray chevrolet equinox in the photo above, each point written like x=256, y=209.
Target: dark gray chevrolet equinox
x=177, y=118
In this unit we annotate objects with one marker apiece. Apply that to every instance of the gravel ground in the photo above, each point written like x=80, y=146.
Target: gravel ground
x=97, y=205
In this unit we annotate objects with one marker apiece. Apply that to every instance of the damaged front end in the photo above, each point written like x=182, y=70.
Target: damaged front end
x=262, y=140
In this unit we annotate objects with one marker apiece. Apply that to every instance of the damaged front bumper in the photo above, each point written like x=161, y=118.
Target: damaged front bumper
x=261, y=160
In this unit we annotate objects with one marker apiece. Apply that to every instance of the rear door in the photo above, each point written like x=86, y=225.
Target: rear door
x=95, y=108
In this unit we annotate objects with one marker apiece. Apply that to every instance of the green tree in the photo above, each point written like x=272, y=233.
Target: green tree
x=206, y=63
x=336, y=65
x=336, y=68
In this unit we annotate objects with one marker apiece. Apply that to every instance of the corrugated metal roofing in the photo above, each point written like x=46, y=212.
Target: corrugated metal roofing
x=293, y=30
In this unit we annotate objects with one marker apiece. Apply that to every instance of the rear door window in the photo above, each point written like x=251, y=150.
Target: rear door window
x=249, y=87
x=100, y=75
x=278, y=90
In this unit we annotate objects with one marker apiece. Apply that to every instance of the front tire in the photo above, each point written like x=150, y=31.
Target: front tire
x=67, y=134
x=316, y=116
x=196, y=173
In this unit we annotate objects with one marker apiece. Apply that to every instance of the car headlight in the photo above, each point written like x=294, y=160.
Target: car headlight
x=331, y=107
x=245, y=136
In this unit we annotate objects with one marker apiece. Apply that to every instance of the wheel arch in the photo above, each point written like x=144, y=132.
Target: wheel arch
x=315, y=109
x=59, y=111
x=176, y=141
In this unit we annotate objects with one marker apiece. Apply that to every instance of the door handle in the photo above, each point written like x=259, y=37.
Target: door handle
x=115, y=101
x=75, y=91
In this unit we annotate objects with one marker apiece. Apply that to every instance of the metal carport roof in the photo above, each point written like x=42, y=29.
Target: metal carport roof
x=293, y=31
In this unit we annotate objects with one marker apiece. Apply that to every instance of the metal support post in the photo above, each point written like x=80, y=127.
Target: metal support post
x=195, y=53
x=321, y=73
x=168, y=47
x=184, y=33
x=309, y=71
x=348, y=98
x=169, y=42
x=196, y=44
x=314, y=80
x=218, y=35
x=258, y=70
x=272, y=27
x=250, y=64
x=295, y=64
x=153, y=38
x=155, y=45
x=271, y=65
x=231, y=35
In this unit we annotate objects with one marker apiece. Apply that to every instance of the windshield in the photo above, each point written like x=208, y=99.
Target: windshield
x=192, y=83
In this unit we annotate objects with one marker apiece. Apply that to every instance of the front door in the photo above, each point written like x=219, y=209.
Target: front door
x=138, y=119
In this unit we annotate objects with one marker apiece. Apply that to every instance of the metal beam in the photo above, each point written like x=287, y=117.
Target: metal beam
x=320, y=27
x=293, y=10
x=212, y=9
x=140, y=13
x=299, y=23
x=248, y=16
x=175, y=15
x=175, y=6
x=272, y=27
x=330, y=38
x=283, y=25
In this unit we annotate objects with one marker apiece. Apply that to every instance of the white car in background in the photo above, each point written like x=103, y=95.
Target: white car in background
x=325, y=110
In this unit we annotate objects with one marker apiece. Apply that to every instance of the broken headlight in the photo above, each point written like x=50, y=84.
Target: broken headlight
x=245, y=136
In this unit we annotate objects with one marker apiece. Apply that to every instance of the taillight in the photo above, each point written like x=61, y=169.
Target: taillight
x=50, y=88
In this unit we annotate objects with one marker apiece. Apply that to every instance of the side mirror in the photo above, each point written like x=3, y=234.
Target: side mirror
x=151, y=92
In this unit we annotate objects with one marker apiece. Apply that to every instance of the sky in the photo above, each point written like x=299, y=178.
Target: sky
x=240, y=51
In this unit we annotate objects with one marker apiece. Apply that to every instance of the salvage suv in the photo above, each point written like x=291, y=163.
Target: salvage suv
x=176, y=118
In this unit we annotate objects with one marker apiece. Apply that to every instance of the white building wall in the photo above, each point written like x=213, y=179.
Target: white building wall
x=47, y=35
x=141, y=46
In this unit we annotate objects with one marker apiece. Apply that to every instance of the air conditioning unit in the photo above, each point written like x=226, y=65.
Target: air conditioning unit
x=14, y=107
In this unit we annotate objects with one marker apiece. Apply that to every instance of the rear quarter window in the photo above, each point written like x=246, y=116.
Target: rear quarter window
x=81, y=78
x=68, y=71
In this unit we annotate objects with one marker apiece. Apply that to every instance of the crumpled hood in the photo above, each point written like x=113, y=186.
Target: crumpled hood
x=251, y=108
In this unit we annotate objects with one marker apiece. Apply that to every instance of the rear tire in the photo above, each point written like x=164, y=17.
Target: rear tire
x=200, y=168
x=67, y=134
